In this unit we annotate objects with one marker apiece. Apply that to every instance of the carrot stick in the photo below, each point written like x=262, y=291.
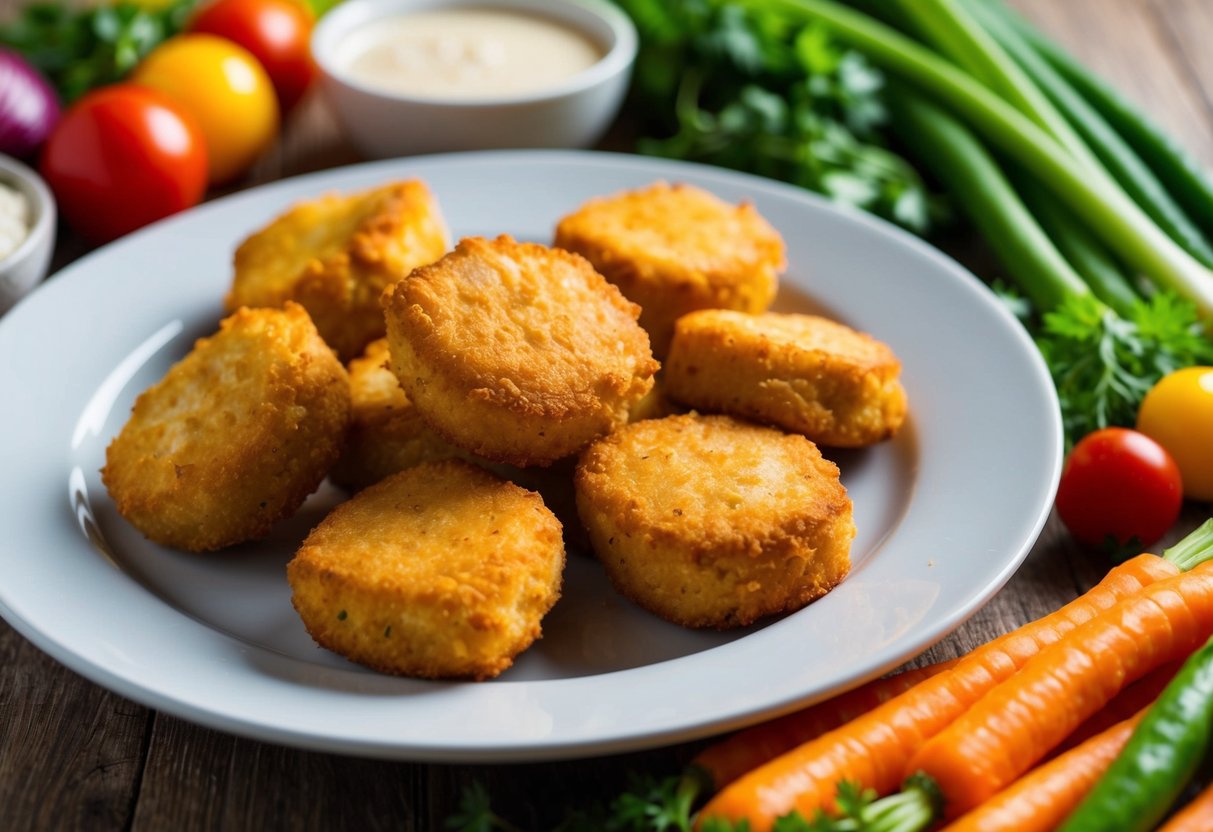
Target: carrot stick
x=872, y=750
x=725, y=761
x=1041, y=799
x=1197, y=816
x=1126, y=703
x=1014, y=725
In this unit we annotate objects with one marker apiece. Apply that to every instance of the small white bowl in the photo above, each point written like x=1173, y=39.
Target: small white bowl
x=25, y=267
x=573, y=113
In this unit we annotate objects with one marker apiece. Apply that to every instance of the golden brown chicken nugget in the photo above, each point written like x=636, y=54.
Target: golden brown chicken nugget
x=708, y=521
x=386, y=432
x=335, y=255
x=235, y=436
x=439, y=571
x=803, y=373
x=676, y=248
x=517, y=352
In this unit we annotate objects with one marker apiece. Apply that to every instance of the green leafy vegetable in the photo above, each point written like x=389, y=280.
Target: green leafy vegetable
x=1103, y=364
x=80, y=49
x=754, y=90
x=476, y=813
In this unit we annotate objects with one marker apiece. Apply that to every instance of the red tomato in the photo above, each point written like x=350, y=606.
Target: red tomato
x=121, y=157
x=1122, y=484
x=276, y=32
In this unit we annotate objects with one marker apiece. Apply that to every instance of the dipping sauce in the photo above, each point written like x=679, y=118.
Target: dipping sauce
x=14, y=220
x=465, y=53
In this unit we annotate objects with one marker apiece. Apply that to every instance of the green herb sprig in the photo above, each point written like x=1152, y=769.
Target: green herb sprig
x=753, y=90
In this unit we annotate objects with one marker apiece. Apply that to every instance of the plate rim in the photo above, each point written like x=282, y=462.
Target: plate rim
x=222, y=719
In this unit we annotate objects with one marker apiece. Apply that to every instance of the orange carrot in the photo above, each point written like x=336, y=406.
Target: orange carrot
x=872, y=750
x=1019, y=721
x=1197, y=816
x=1041, y=799
x=725, y=761
x=1126, y=703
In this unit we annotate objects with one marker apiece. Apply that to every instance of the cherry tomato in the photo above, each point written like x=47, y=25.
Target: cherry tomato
x=121, y=157
x=1178, y=414
x=1121, y=484
x=276, y=32
x=227, y=92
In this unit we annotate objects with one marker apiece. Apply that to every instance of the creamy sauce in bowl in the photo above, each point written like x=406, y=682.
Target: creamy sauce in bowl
x=465, y=54
x=14, y=220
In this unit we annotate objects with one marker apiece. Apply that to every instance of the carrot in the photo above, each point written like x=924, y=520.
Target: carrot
x=872, y=750
x=723, y=762
x=1041, y=799
x=1126, y=703
x=1197, y=816
x=1017, y=722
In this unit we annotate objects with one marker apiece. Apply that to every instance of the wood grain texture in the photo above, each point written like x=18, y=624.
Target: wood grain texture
x=73, y=756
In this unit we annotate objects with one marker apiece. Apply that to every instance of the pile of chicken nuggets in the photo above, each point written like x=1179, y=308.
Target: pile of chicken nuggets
x=484, y=405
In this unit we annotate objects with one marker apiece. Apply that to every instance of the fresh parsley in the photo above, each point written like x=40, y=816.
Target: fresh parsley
x=753, y=90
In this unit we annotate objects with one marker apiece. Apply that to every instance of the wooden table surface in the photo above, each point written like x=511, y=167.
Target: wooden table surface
x=75, y=756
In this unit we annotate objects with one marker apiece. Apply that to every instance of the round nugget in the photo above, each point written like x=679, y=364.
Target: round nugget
x=675, y=249
x=235, y=436
x=516, y=352
x=335, y=255
x=708, y=521
x=386, y=432
x=803, y=373
x=440, y=571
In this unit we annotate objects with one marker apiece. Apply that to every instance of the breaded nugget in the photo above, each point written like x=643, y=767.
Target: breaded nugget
x=235, y=436
x=517, y=352
x=709, y=521
x=336, y=255
x=440, y=571
x=386, y=432
x=803, y=373
x=675, y=249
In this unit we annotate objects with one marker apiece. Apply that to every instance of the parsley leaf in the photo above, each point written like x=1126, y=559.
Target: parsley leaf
x=751, y=89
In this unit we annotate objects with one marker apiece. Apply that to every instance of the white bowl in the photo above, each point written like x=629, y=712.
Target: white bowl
x=25, y=267
x=573, y=113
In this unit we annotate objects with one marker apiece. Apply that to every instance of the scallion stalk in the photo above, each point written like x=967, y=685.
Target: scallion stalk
x=1121, y=224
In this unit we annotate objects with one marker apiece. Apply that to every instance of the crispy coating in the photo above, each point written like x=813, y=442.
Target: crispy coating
x=235, y=436
x=516, y=352
x=337, y=254
x=439, y=571
x=674, y=249
x=708, y=521
x=386, y=432
x=803, y=373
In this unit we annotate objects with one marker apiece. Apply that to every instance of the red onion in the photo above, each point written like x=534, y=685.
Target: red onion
x=28, y=107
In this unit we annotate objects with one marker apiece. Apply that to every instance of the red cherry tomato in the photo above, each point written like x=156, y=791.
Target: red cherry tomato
x=122, y=157
x=1119, y=484
x=276, y=32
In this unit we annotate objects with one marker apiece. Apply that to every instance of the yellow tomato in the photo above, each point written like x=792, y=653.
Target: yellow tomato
x=1178, y=414
x=225, y=89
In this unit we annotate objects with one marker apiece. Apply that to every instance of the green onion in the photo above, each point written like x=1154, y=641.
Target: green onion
x=1118, y=157
x=1123, y=226
x=974, y=179
x=1184, y=177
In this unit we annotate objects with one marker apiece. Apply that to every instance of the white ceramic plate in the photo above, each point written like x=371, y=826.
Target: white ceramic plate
x=946, y=512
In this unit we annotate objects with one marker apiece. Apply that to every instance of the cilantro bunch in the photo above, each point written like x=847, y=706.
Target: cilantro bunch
x=752, y=89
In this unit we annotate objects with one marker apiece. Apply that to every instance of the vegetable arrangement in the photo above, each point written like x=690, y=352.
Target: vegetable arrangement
x=1041, y=727
x=1102, y=221
x=221, y=74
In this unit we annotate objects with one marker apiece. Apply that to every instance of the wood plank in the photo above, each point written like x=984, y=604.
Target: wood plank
x=1188, y=24
x=71, y=753
x=196, y=778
